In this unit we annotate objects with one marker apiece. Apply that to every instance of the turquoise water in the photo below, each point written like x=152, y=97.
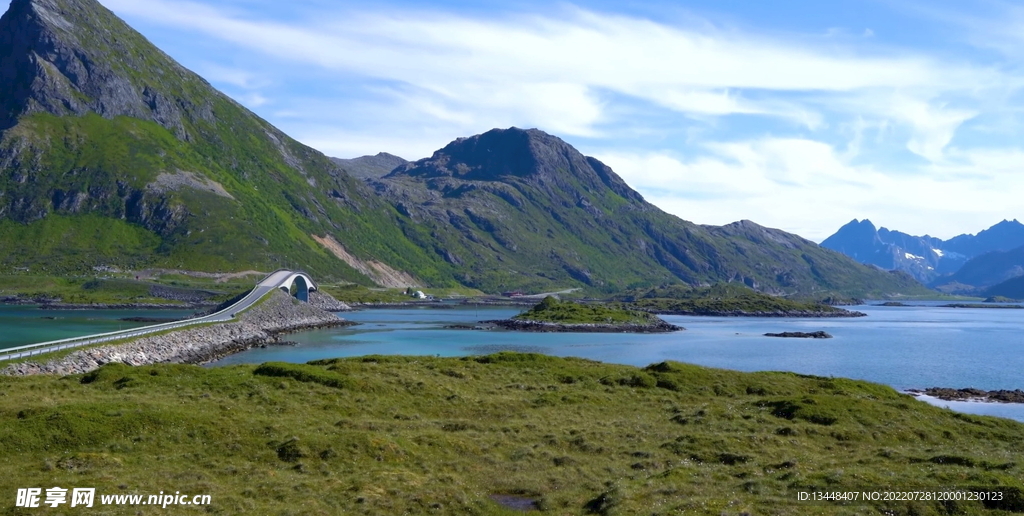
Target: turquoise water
x=20, y=325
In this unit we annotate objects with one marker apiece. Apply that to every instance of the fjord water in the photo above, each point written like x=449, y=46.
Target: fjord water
x=20, y=325
x=904, y=347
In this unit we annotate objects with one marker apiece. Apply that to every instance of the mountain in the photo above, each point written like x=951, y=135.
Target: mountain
x=893, y=250
x=521, y=207
x=1012, y=288
x=370, y=167
x=114, y=154
x=986, y=270
x=1008, y=234
x=928, y=259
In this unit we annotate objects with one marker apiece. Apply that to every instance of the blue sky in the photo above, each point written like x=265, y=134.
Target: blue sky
x=798, y=115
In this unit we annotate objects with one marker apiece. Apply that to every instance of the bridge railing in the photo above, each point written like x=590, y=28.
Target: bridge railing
x=86, y=340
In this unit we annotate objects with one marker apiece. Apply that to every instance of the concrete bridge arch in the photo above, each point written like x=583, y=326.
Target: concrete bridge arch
x=303, y=284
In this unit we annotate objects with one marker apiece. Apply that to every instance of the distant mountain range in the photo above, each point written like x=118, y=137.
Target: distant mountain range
x=115, y=155
x=962, y=264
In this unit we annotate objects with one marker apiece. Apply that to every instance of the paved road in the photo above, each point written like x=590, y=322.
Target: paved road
x=271, y=282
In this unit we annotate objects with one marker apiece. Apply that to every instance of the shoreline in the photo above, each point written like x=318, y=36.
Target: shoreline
x=796, y=314
x=43, y=304
x=971, y=395
x=552, y=327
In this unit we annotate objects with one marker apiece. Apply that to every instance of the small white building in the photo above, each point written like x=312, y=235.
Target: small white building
x=419, y=294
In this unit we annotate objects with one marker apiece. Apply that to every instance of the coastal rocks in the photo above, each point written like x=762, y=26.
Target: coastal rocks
x=969, y=394
x=463, y=327
x=327, y=302
x=277, y=314
x=550, y=327
x=800, y=335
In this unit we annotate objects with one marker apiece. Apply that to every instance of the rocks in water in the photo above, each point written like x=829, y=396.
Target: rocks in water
x=463, y=327
x=260, y=325
x=893, y=303
x=971, y=394
x=800, y=335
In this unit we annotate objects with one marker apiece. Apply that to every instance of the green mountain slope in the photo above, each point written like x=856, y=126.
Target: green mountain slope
x=97, y=121
x=514, y=208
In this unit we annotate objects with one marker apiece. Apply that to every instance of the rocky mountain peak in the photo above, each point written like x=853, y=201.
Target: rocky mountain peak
x=518, y=154
x=72, y=57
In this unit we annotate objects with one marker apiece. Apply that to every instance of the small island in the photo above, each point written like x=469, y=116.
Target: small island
x=1000, y=299
x=800, y=335
x=552, y=315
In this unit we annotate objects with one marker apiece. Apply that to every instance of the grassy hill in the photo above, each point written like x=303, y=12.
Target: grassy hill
x=423, y=435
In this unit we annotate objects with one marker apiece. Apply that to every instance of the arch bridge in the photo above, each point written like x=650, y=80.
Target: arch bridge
x=280, y=279
x=300, y=280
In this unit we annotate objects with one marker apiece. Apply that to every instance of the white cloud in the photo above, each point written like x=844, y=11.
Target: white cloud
x=808, y=188
x=574, y=51
x=230, y=75
x=934, y=125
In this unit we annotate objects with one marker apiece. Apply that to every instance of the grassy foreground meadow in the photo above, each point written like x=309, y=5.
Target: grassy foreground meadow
x=423, y=435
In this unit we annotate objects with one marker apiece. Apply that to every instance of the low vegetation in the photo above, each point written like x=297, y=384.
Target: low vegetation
x=119, y=288
x=358, y=294
x=423, y=435
x=568, y=312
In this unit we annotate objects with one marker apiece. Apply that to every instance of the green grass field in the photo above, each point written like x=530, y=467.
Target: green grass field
x=421, y=435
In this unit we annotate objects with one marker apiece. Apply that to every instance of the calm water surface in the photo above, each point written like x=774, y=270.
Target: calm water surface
x=905, y=347
x=20, y=325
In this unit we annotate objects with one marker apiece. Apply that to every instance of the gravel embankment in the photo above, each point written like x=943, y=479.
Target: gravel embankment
x=327, y=302
x=261, y=325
